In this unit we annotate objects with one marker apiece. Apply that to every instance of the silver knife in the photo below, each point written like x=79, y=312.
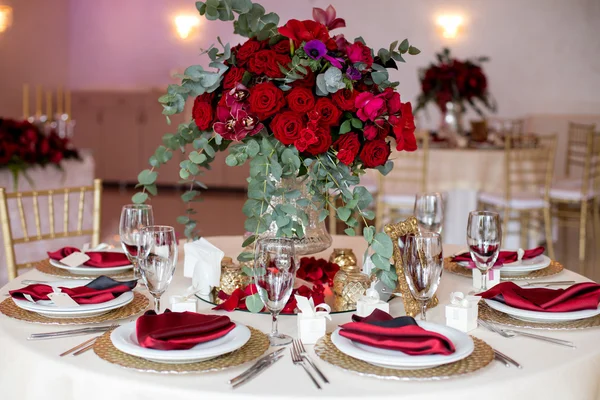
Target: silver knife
x=262, y=367
x=72, y=332
x=257, y=364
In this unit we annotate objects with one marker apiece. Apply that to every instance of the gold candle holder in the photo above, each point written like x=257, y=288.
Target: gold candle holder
x=25, y=101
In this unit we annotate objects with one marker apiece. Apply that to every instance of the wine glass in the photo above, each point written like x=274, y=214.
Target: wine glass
x=429, y=212
x=157, y=259
x=423, y=264
x=484, y=236
x=134, y=217
x=274, y=273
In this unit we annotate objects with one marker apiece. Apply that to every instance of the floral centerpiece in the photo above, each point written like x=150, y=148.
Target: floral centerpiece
x=452, y=83
x=298, y=103
x=25, y=145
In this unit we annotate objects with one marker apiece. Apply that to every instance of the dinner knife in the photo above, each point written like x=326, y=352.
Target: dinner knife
x=261, y=368
x=257, y=364
x=71, y=332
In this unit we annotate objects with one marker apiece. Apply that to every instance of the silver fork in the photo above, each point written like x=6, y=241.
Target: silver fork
x=509, y=333
x=547, y=284
x=298, y=360
x=302, y=351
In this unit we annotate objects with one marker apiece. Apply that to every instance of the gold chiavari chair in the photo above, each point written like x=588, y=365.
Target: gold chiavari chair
x=571, y=198
x=396, y=191
x=506, y=126
x=10, y=241
x=528, y=175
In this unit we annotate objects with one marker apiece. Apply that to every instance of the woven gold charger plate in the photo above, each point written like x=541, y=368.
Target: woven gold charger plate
x=554, y=268
x=48, y=269
x=482, y=355
x=138, y=304
x=254, y=348
x=487, y=313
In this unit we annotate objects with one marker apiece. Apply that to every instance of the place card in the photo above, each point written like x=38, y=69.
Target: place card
x=75, y=259
x=62, y=300
x=183, y=303
x=493, y=278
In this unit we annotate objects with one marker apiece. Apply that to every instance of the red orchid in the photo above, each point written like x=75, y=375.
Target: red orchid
x=328, y=18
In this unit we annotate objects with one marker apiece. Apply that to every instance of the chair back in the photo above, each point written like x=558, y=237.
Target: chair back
x=506, y=126
x=528, y=166
x=67, y=231
x=579, y=148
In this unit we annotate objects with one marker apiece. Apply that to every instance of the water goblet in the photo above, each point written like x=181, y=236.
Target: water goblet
x=429, y=212
x=423, y=264
x=134, y=217
x=484, y=236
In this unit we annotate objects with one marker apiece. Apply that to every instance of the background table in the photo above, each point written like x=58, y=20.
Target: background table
x=33, y=370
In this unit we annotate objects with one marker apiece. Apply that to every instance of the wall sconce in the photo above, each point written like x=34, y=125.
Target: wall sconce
x=185, y=24
x=450, y=25
x=5, y=17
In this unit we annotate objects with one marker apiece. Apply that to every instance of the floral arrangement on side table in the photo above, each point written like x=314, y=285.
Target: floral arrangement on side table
x=298, y=103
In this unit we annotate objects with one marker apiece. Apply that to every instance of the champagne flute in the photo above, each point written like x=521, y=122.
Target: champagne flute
x=157, y=258
x=134, y=217
x=429, y=212
x=484, y=236
x=423, y=264
x=274, y=273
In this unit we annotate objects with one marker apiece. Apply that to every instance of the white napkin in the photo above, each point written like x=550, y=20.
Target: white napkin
x=202, y=263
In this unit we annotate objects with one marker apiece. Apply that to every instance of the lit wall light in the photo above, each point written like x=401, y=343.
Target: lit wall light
x=5, y=17
x=450, y=25
x=185, y=24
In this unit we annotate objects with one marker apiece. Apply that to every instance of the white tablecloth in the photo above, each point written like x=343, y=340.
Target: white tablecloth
x=32, y=370
x=74, y=173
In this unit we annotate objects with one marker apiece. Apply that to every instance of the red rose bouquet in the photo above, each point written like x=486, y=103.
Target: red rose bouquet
x=24, y=145
x=455, y=81
x=296, y=101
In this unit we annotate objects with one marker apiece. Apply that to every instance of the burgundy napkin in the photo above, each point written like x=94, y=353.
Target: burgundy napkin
x=98, y=259
x=581, y=296
x=100, y=290
x=504, y=257
x=382, y=330
x=180, y=330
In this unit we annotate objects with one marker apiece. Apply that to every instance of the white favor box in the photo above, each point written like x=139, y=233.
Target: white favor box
x=493, y=278
x=183, y=303
x=364, y=308
x=462, y=314
x=311, y=329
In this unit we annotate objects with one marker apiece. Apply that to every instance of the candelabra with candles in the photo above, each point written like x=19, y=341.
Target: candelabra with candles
x=60, y=121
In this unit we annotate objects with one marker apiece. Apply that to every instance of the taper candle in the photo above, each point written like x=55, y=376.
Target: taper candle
x=68, y=104
x=25, y=101
x=59, y=100
x=38, y=101
x=49, y=105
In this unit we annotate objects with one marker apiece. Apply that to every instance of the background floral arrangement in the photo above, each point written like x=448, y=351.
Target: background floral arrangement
x=298, y=103
x=24, y=145
x=452, y=80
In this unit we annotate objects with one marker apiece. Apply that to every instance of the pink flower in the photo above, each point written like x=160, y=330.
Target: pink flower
x=359, y=53
x=370, y=132
x=393, y=100
x=236, y=125
x=369, y=106
x=328, y=18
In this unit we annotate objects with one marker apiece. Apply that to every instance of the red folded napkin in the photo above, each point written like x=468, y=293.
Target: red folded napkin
x=100, y=290
x=504, y=257
x=180, y=331
x=382, y=330
x=581, y=296
x=98, y=259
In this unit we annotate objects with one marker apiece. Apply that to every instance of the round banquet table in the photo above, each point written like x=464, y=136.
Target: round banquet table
x=33, y=369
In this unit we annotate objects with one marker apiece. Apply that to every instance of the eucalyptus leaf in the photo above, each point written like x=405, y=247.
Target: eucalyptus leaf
x=382, y=245
x=350, y=232
x=139, y=197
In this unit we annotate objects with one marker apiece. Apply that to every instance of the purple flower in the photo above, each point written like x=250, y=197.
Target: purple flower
x=353, y=74
x=315, y=49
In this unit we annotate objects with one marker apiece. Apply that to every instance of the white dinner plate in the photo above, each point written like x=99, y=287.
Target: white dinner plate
x=521, y=267
x=124, y=338
x=85, y=270
x=398, y=360
x=538, y=316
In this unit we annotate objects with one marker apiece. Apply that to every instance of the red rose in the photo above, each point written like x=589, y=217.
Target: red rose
x=202, y=112
x=286, y=127
x=323, y=142
x=308, y=81
x=375, y=153
x=300, y=99
x=258, y=61
x=282, y=47
x=347, y=147
x=265, y=100
x=404, y=129
x=271, y=68
x=345, y=99
x=329, y=113
x=233, y=76
x=247, y=50
x=370, y=132
x=358, y=52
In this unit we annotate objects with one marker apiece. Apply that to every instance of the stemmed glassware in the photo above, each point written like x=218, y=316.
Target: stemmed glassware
x=157, y=259
x=274, y=272
x=484, y=237
x=423, y=264
x=134, y=217
x=429, y=212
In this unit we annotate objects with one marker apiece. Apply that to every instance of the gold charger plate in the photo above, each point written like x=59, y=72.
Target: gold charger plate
x=487, y=313
x=138, y=304
x=554, y=268
x=49, y=269
x=256, y=346
x=481, y=356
